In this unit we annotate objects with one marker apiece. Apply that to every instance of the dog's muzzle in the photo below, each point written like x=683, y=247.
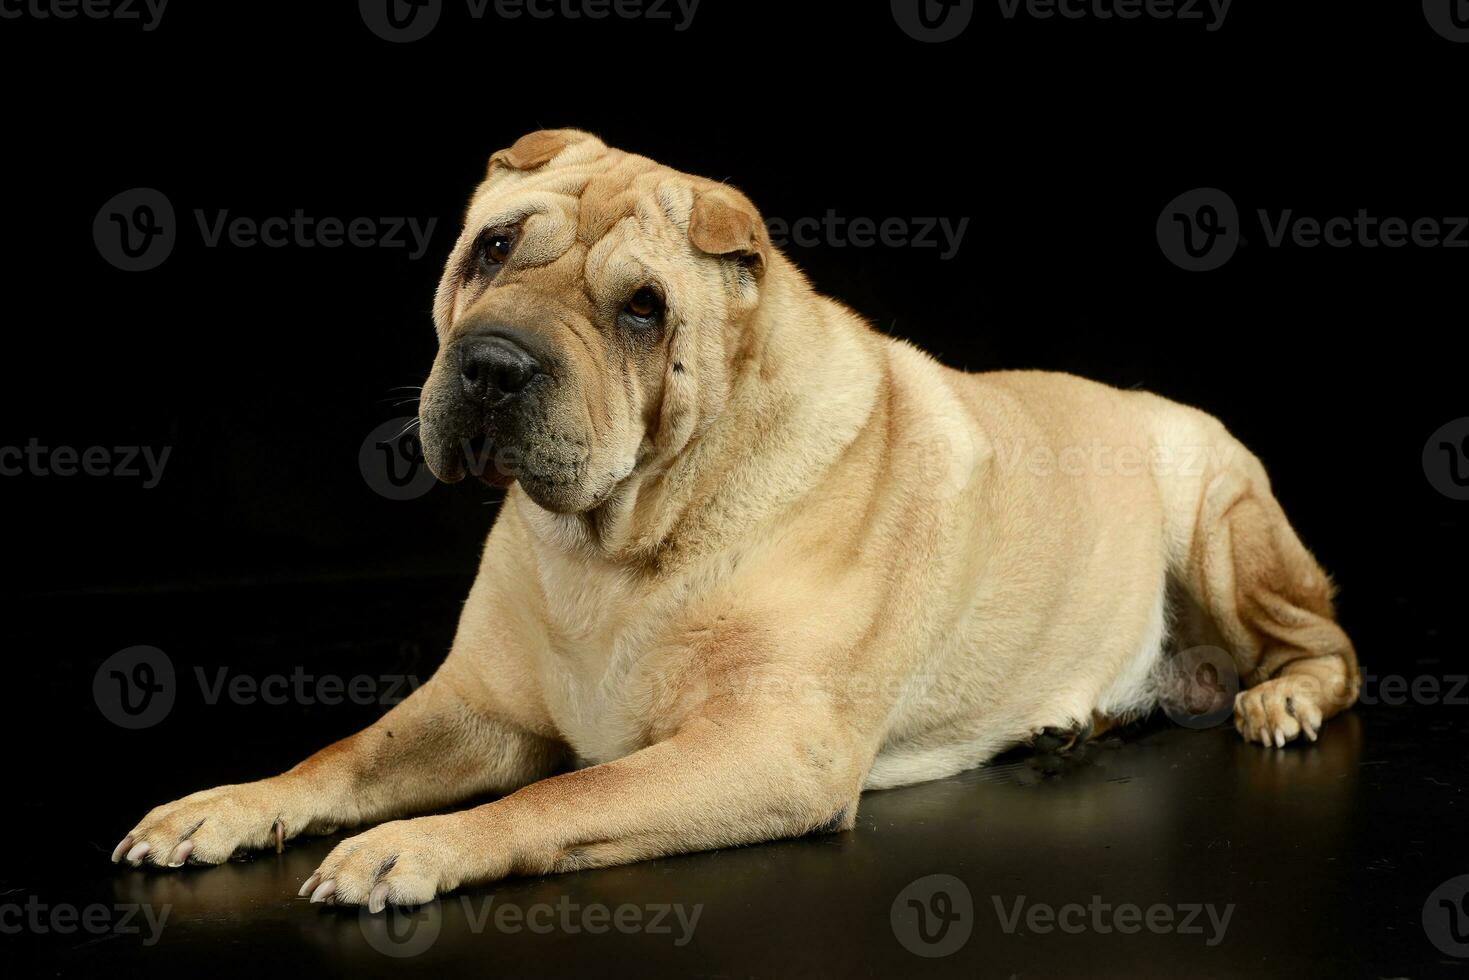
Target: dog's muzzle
x=502, y=385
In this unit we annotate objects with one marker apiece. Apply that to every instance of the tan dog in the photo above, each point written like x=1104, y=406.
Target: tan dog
x=759, y=557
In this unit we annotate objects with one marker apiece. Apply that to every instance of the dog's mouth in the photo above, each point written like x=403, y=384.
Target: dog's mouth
x=480, y=462
x=550, y=465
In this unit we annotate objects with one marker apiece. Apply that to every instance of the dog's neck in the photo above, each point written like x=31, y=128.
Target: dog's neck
x=803, y=388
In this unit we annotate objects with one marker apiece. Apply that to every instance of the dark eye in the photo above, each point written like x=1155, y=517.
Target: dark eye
x=644, y=306
x=494, y=249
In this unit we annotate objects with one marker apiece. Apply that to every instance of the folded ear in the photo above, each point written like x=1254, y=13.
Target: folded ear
x=724, y=222
x=536, y=149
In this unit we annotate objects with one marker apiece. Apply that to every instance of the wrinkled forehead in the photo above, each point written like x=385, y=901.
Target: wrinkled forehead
x=615, y=201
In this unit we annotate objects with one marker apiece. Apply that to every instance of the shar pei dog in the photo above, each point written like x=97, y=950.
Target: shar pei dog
x=756, y=557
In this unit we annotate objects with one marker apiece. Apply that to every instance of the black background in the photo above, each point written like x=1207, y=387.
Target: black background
x=264, y=549
x=264, y=368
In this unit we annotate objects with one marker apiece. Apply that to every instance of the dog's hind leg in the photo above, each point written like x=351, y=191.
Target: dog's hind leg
x=1263, y=593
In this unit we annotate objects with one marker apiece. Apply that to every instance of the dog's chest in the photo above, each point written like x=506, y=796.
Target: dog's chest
x=596, y=676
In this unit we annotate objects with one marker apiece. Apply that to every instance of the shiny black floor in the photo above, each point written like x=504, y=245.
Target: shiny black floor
x=1165, y=853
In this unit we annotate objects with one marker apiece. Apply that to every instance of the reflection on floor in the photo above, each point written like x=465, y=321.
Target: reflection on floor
x=1165, y=852
x=1155, y=852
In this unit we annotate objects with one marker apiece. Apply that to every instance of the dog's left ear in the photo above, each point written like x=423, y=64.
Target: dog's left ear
x=725, y=223
x=536, y=149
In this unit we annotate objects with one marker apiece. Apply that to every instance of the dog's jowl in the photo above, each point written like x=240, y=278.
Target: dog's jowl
x=756, y=558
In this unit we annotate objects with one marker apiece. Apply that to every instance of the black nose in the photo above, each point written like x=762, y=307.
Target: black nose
x=493, y=367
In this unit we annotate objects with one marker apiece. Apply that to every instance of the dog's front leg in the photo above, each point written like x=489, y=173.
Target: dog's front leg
x=727, y=777
x=431, y=750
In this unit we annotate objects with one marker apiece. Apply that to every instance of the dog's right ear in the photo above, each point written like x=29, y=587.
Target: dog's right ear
x=536, y=149
x=723, y=222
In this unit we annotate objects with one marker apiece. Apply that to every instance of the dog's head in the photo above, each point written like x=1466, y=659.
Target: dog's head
x=588, y=319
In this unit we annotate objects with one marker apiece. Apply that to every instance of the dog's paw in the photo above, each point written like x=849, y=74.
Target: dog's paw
x=206, y=828
x=1278, y=711
x=1054, y=740
x=406, y=862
